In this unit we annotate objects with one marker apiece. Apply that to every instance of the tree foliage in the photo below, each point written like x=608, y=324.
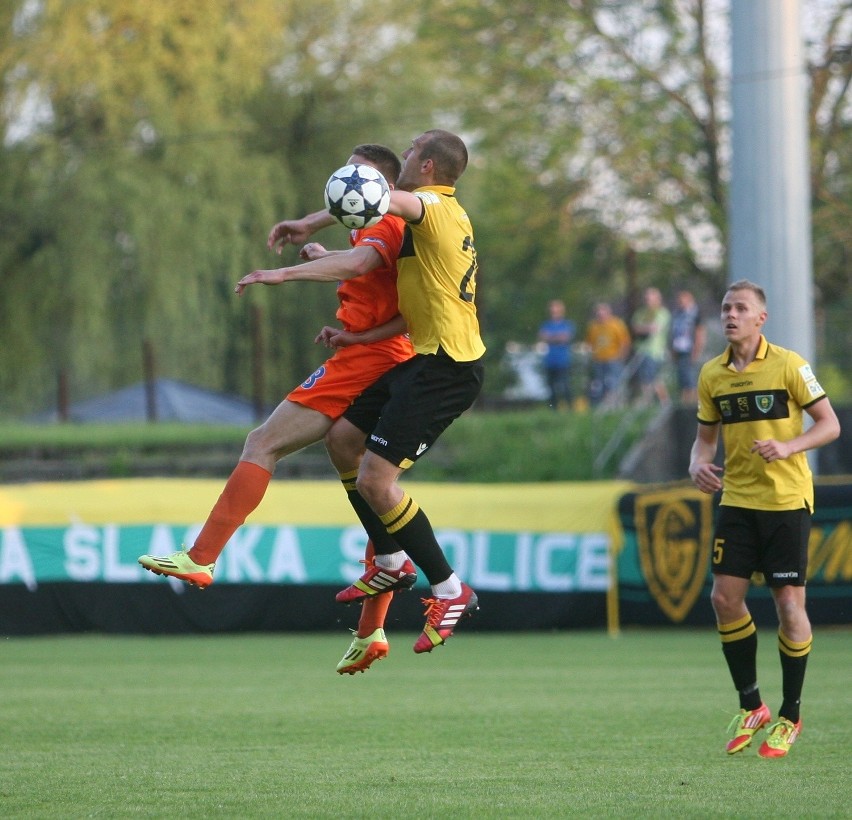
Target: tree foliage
x=149, y=147
x=616, y=116
x=177, y=135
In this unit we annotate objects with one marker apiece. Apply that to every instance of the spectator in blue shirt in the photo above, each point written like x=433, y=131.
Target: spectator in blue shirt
x=557, y=333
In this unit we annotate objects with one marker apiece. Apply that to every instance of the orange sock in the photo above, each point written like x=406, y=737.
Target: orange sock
x=374, y=610
x=243, y=491
x=373, y=613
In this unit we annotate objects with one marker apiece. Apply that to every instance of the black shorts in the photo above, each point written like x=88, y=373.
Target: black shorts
x=772, y=542
x=407, y=408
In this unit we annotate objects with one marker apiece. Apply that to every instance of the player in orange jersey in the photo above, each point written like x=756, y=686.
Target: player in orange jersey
x=371, y=341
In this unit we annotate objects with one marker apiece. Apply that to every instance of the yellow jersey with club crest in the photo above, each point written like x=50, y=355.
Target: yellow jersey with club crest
x=766, y=400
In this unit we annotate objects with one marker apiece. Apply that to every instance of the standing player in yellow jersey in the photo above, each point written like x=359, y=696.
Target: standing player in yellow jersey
x=758, y=392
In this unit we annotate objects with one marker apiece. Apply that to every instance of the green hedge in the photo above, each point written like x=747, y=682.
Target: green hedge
x=524, y=445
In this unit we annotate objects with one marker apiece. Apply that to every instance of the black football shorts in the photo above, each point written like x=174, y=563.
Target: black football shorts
x=772, y=542
x=406, y=409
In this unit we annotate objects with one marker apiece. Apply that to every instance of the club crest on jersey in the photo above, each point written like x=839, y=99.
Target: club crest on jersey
x=764, y=403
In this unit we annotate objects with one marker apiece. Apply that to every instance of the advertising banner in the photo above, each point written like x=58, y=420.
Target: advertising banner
x=503, y=561
x=663, y=558
x=540, y=549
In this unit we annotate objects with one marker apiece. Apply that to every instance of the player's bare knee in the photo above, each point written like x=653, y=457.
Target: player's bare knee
x=345, y=445
x=370, y=489
x=790, y=607
x=250, y=447
x=727, y=606
x=258, y=445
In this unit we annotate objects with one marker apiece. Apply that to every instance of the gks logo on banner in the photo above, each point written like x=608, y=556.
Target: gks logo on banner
x=673, y=532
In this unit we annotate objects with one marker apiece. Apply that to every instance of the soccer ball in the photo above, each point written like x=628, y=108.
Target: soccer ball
x=357, y=196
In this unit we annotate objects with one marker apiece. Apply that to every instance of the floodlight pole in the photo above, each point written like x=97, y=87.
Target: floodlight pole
x=769, y=214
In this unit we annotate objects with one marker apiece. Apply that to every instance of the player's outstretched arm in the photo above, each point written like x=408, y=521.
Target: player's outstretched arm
x=297, y=231
x=333, y=267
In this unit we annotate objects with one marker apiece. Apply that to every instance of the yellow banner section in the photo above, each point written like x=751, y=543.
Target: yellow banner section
x=576, y=507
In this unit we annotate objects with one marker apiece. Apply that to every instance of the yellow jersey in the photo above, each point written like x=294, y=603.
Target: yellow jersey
x=763, y=401
x=437, y=278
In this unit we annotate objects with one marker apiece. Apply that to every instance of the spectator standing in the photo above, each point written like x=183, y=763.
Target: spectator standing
x=688, y=336
x=650, y=325
x=608, y=341
x=557, y=333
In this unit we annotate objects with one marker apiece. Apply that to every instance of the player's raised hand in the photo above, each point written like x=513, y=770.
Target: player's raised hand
x=259, y=277
x=288, y=232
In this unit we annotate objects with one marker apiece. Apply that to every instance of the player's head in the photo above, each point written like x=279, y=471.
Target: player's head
x=436, y=157
x=380, y=157
x=743, y=311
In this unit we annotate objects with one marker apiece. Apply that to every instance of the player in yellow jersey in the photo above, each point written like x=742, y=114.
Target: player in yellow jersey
x=758, y=392
x=402, y=414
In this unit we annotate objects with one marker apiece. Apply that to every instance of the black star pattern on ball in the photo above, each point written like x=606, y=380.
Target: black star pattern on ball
x=354, y=182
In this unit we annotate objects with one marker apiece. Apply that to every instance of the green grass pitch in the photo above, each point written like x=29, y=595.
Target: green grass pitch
x=568, y=724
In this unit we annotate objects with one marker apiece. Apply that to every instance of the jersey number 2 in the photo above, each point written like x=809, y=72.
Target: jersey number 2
x=464, y=294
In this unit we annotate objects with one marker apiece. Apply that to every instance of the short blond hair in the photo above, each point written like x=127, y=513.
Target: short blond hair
x=745, y=284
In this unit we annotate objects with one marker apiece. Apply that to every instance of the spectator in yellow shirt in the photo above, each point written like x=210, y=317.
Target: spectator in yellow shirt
x=608, y=340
